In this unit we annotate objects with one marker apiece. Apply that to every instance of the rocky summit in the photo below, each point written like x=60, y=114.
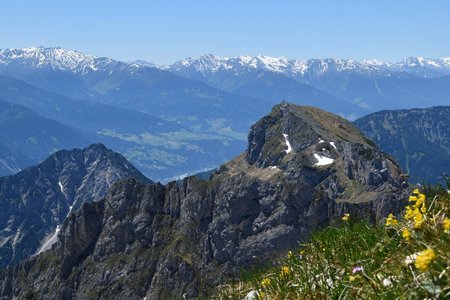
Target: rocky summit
x=303, y=169
x=35, y=201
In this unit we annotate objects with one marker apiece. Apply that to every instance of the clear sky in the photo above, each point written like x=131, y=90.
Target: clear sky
x=163, y=31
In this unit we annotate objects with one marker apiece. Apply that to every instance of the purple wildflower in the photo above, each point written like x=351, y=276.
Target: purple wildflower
x=357, y=269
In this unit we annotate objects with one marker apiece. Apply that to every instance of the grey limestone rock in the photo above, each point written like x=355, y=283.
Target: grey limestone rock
x=35, y=201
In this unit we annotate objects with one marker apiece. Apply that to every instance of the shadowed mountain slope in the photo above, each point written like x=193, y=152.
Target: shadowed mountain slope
x=35, y=201
x=419, y=139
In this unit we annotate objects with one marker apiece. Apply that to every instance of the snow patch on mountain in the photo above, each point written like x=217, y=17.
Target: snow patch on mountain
x=322, y=160
x=49, y=241
x=288, y=144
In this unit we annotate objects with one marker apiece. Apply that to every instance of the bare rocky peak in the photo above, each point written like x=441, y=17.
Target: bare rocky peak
x=38, y=199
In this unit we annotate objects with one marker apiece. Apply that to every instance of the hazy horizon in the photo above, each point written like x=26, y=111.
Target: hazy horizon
x=163, y=32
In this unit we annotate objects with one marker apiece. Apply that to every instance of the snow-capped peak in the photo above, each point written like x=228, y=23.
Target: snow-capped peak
x=445, y=61
x=424, y=67
x=210, y=61
x=73, y=61
x=418, y=61
x=54, y=57
x=277, y=64
x=208, y=64
x=374, y=62
x=143, y=63
x=244, y=59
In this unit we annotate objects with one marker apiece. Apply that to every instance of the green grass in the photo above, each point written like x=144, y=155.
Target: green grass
x=324, y=268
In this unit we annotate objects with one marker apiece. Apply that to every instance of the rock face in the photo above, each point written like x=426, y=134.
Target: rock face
x=303, y=169
x=419, y=139
x=35, y=201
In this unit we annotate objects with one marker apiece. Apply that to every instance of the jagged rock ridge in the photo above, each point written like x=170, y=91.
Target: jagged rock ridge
x=302, y=170
x=35, y=201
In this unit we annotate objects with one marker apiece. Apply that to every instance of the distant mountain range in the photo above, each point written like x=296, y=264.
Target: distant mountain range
x=131, y=86
x=208, y=64
x=419, y=139
x=194, y=114
x=348, y=87
x=76, y=62
x=55, y=58
x=368, y=85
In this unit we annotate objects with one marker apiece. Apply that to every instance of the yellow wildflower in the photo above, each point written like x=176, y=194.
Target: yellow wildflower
x=260, y=295
x=346, y=217
x=391, y=220
x=409, y=213
x=290, y=254
x=352, y=278
x=418, y=219
x=423, y=209
x=424, y=259
x=412, y=198
x=417, y=197
x=285, y=271
x=265, y=282
x=446, y=225
x=406, y=234
x=420, y=200
x=416, y=211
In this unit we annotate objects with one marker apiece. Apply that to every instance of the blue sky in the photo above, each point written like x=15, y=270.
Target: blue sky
x=163, y=31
